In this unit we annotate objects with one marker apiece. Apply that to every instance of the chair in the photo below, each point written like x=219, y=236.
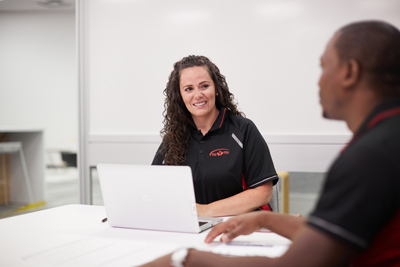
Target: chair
x=281, y=204
x=10, y=148
x=69, y=159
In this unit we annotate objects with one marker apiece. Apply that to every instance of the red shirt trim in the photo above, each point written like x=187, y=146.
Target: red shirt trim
x=385, y=249
x=223, y=116
x=374, y=121
x=382, y=116
x=245, y=187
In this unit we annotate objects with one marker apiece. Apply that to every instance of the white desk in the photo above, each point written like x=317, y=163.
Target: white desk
x=50, y=237
x=32, y=140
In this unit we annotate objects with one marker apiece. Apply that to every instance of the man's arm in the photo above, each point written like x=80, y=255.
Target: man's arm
x=310, y=248
x=282, y=224
x=245, y=201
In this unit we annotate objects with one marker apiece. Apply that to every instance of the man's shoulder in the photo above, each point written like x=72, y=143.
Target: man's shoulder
x=378, y=149
x=388, y=129
x=383, y=138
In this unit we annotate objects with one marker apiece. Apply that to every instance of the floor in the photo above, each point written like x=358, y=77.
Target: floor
x=62, y=188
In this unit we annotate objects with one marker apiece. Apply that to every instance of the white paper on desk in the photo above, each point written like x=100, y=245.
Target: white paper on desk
x=272, y=251
x=267, y=238
x=265, y=244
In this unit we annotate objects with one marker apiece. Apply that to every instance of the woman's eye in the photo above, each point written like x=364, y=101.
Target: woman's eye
x=188, y=89
x=205, y=86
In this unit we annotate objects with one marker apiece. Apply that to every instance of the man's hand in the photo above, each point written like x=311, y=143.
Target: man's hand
x=194, y=258
x=240, y=225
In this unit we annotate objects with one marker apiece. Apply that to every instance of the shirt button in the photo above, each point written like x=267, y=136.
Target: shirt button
x=201, y=151
x=201, y=142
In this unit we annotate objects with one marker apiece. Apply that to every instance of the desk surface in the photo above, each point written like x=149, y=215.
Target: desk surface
x=74, y=235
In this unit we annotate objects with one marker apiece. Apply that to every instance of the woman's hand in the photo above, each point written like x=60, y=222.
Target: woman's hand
x=240, y=225
x=203, y=210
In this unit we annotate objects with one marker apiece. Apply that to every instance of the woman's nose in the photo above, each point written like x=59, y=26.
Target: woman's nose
x=198, y=93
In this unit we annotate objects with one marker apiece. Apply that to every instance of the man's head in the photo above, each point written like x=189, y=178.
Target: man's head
x=360, y=54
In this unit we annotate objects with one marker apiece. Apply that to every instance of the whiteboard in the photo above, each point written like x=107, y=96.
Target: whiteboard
x=268, y=50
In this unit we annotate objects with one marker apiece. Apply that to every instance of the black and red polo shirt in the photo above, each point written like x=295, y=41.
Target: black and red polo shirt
x=360, y=202
x=231, y=152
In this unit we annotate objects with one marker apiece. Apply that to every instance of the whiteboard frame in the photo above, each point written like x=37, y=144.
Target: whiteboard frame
x=85, y=185
x=290, y=152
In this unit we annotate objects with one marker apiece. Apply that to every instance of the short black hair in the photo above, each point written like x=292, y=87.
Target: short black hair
x=375, y=45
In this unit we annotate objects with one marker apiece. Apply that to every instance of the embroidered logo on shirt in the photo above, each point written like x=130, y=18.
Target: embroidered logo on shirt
x=219, y=152
x=237, y=140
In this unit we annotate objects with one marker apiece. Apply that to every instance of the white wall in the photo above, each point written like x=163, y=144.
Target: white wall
x=38, y=74
x=268, y=50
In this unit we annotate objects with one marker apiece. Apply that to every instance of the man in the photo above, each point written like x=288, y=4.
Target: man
x=357, y=218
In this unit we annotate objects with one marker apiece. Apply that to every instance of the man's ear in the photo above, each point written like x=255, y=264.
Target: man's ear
x=352, y=73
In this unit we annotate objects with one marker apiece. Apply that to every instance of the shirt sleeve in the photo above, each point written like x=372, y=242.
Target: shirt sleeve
x=258, y=167
x=159, y=156
x=359, y=197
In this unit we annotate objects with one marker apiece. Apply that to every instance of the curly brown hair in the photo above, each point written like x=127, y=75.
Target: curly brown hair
x=175, y=133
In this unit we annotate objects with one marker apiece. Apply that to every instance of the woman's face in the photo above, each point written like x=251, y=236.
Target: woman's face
x=198, y=92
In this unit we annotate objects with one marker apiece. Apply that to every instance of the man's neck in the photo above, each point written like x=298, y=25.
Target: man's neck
x=360, y=108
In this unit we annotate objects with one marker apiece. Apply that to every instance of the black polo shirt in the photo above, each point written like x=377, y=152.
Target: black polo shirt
x=361, y=194
x=232, y=150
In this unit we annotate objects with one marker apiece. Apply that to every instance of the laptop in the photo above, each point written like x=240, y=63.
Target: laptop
x=151, y=198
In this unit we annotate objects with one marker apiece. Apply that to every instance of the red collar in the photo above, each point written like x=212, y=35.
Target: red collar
x=373, y=122
x=217, y=124
x=383, y=115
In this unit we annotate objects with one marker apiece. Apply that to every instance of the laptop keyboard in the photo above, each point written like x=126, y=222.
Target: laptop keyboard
x=202, y=223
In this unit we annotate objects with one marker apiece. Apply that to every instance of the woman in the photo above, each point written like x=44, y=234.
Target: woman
x=204, y=130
